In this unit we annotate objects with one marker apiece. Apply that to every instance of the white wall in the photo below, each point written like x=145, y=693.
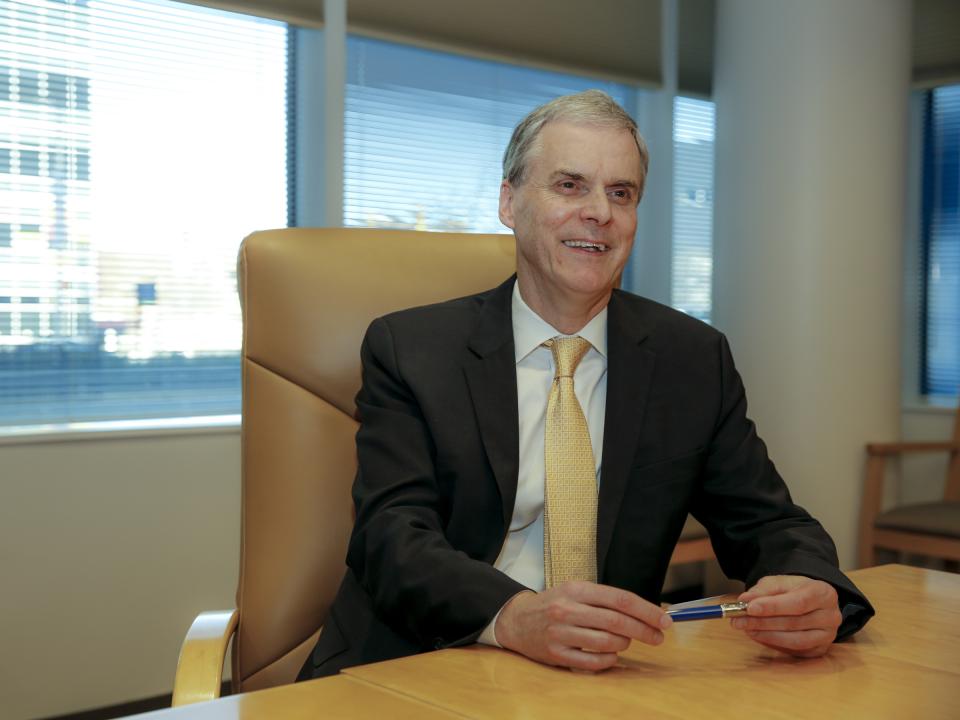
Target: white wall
x=108, y=549
x=922, y=475
x=809, y=212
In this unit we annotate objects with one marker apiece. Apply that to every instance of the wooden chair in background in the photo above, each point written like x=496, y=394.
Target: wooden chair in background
x=694, y=544
x=931, y=529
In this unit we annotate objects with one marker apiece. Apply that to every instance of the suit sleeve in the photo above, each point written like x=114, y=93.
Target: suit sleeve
x=755, y=527
x=419, y=584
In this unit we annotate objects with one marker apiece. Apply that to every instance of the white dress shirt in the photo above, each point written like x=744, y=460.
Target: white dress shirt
x=522, y=554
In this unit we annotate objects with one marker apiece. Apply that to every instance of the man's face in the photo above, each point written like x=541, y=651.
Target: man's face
x=575, y=213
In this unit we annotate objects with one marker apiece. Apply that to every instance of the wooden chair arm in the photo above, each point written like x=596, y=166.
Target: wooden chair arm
x=200, y=667
x=910, y=447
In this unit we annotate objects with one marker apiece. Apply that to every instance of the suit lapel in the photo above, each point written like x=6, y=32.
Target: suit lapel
x=490, y=369
x=629, y=375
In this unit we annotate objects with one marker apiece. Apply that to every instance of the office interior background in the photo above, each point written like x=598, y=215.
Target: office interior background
x=803, y=197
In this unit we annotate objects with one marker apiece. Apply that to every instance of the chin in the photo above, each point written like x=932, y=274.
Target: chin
x=591, y=279
x=591, y=285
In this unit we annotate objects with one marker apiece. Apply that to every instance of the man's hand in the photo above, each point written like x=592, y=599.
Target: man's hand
x=578, y=624
x=793, y=614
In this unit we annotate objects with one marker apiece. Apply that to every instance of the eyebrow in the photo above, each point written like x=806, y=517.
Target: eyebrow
x=568, y=174
x=573, y=175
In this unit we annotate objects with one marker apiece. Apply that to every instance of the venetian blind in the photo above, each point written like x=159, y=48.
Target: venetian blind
x=940, y=336
x=425, y=133
x=140, y=141
x=692, y=263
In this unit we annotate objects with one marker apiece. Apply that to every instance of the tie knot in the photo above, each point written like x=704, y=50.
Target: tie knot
x=567, y=354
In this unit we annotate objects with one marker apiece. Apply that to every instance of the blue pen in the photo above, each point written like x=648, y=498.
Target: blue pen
x=705, y=612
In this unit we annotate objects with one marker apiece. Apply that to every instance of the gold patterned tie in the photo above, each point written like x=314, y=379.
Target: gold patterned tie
x=570, y=491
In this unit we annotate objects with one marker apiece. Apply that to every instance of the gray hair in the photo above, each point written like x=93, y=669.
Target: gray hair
x=591, y=107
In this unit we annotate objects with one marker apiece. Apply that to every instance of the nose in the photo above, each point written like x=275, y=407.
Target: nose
x=596, y=207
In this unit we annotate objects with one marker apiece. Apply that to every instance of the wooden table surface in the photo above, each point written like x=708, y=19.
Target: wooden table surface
x=904, y=664
x=334, y=698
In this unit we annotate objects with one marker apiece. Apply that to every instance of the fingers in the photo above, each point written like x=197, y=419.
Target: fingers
x=617, y=624
x=580, y=625
x=582, y=660
x=802, y=598
x=621, y=602
x=792, y=614
x=595, y=641
x=610, y=622
x=802, y=643
x=818, y=619
x=612, y=612
x=581, y=648
x=772, y=585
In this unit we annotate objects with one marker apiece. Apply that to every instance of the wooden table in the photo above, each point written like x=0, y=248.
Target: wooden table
x=335, y=698
x=904, y=664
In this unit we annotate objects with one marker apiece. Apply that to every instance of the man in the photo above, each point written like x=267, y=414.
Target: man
x=475, y=417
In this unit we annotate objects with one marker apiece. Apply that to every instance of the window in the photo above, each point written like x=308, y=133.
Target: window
x=6, y=86
x=940, y=233
x=140, y=141
x=29, y=162
x=425, y=133
x=692, y=263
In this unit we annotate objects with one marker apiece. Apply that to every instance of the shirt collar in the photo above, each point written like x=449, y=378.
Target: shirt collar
x=530, y=330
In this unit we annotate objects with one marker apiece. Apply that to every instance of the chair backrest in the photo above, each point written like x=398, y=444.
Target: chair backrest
x=951, y=491
x=308, y=296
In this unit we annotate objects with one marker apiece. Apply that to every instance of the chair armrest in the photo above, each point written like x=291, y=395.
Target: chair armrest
x=910, y=447
x=200, y=667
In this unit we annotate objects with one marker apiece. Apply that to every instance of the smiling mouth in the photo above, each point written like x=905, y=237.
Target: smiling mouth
x=594, y=247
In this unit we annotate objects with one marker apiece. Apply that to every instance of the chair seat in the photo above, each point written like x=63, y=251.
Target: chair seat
x=692, y=530
x=935, y=518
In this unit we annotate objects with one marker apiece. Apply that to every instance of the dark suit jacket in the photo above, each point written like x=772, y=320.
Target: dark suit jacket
x=438, y=461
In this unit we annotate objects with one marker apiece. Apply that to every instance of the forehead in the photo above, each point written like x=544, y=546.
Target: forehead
x=587, y=149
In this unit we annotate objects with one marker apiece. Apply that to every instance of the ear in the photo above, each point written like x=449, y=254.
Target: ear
x=506, y=204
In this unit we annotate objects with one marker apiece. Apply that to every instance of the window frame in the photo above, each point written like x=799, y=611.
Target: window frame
x=914, y=260
x=16, y=307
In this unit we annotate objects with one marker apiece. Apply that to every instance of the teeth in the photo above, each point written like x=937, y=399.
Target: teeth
x=584, y=244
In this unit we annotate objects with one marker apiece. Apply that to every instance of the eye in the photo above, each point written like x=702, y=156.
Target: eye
x=621, y=194
x=567, y=185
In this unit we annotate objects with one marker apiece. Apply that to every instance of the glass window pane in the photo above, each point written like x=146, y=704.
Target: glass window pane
x=941, y=239
x=426, y=131
x=143, y=140
x=425, y=134
x=692, y=265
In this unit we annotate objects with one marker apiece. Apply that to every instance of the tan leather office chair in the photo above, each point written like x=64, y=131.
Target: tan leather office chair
x=307, y=298
x=931, y=529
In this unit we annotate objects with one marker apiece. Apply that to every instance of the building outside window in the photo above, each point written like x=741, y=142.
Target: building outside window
x=139, y=142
